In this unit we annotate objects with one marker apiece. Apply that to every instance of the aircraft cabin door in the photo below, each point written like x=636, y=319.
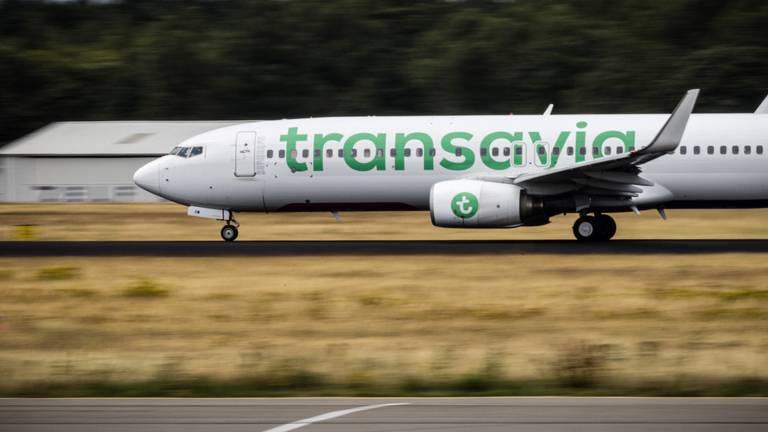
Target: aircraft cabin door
x=245, y=154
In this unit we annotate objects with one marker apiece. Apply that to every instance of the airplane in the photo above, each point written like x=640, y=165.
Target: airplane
x=495, y=171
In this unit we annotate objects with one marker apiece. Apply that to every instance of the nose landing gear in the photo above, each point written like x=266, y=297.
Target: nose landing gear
x=229, y=231
x=600, y=227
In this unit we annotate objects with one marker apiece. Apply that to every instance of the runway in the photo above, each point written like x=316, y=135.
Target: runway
x=374, y=247
x=380, y=415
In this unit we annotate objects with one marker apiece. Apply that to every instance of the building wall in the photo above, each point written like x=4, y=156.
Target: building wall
x=71, y=179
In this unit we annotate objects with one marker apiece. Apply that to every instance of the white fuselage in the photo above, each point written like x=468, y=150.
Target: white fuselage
x=392, y=162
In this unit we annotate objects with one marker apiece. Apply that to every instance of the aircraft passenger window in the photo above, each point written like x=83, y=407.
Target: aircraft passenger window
x=432, y=152
x=710, y=149
x=495, y=151
x=281, y=154
x=341, y=153
x=305, y=153
x=458, y=151
x=329, y=153
x=595, y=151
x=294, y=153
x=735, y=149
x=317, y=153
x=519, y=151
x=184, y=152
x=367, y=153
x=542, y=151
x=507, y=151
x=483, y=152
x=683, y=150
x=270, y=153
x=759, y=149
x=570, y=151
x=407, y=152
x=556, y=151
x=619, y=150
x=607, y=151
x=696, y=150
x=583, y=151
x=723, y=149
x=748, y=150
x=354, y=152
x=392, y=152
x=419, y=152
x=379, y=152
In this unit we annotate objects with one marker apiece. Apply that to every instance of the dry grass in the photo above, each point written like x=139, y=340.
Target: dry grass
x=381, y=319
x=169, y=222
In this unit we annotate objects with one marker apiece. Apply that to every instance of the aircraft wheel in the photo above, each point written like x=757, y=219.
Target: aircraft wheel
x=606, y=227
x=229, y=233
x=586, y=228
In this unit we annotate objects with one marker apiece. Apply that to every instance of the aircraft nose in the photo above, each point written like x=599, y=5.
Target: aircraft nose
x=148, y=178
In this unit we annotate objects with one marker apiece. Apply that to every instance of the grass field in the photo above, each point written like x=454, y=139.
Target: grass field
x=502, y=324
x=169, y=222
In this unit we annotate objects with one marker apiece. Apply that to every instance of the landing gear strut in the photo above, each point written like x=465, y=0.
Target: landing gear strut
x=229, y=231
x=594, y=228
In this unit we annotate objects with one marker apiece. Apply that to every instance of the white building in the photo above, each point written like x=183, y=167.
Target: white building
x=89, y=161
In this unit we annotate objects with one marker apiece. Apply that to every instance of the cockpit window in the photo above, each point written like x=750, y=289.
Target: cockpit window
x=187, y=152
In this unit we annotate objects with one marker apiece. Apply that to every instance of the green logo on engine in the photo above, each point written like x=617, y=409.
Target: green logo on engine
x=464, y=205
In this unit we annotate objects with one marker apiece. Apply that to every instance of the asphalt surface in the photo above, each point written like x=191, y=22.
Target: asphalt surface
x=380, y=415
x=374, y=247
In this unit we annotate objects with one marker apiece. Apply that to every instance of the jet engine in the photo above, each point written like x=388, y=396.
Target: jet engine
x=483, y=204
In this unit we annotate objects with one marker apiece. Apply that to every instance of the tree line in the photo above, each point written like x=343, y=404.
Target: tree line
x=265, y=59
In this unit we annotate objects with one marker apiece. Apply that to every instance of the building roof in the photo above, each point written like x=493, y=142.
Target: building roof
x=109, y=138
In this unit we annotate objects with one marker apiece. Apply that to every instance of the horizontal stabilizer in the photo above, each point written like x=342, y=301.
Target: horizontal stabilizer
x=763, y=108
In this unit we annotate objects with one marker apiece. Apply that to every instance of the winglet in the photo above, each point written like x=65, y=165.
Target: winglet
x=670, y=135
x=763, y=108
x=548, y=111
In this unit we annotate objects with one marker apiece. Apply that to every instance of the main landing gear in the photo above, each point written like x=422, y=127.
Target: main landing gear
x=229, y=231
x=594, y=228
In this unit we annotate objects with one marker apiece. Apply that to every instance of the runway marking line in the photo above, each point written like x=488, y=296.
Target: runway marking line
x=327, y=416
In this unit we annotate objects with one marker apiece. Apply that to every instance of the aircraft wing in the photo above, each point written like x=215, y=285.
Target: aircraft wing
x=618, y=175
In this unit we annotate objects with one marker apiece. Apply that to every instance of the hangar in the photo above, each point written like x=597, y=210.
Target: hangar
x=89, y=161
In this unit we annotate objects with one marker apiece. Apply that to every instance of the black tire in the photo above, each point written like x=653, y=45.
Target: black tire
x=606, y=227
x=586, y=228
x=229, y=233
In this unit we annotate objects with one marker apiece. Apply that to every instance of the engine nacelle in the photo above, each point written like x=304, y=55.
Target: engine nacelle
x=481, y=204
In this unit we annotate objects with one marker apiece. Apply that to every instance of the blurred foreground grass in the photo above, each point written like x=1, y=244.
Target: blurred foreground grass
x=437, y=325
x=170, y=222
